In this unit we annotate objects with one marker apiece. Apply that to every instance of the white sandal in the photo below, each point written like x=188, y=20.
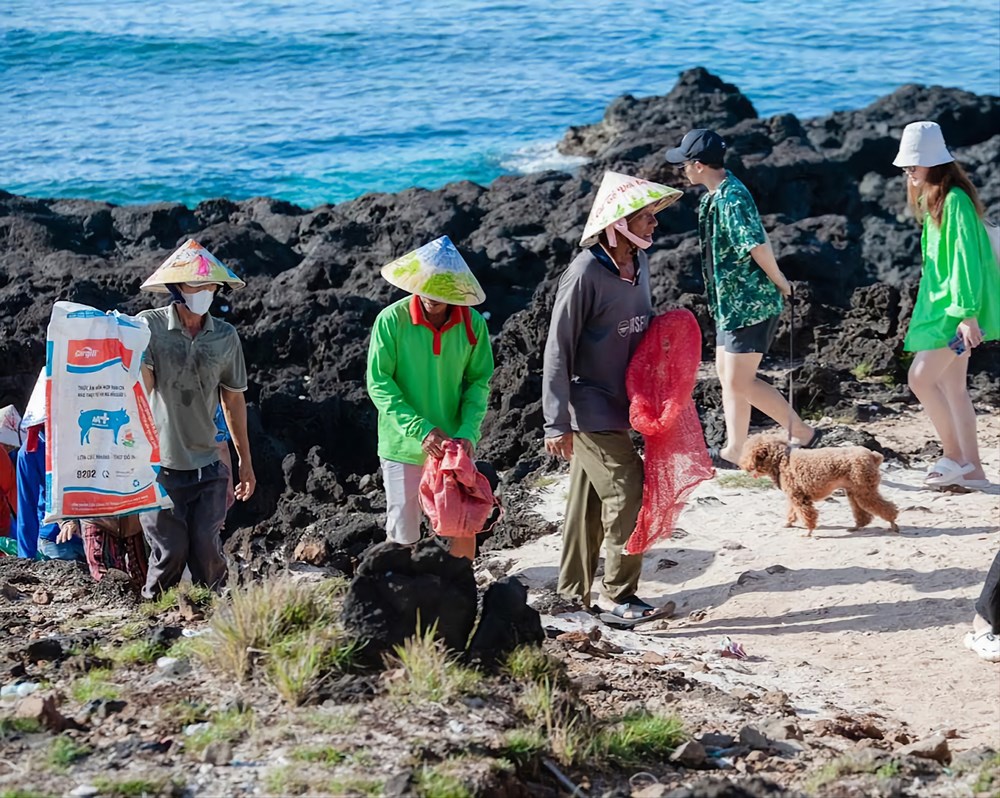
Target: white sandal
x=948, y=472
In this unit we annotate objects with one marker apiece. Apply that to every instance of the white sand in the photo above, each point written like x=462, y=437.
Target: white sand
x=864, y=622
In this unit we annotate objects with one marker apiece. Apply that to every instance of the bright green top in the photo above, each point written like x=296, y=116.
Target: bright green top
x=416, y=388
x=739, y=291
x=960, y=278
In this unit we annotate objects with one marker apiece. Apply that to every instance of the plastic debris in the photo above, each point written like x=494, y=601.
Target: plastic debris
x=731, y=649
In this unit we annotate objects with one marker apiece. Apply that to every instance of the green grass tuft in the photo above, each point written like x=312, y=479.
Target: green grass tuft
x=95, y=684
x=437, y=783
x=12, y=726
x=228, y=726
x=136, y=652
x=862, y=371
x=135, y=788
x=64, y=751
x=989, y=777
x=523, y=745
x=324, y=754
x=286, y=630
x=639, y=739
x=429, y=671
x=533, y=664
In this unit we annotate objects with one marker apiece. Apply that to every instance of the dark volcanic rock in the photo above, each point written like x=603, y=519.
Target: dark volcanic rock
x=506, y=621
x=834, y=208
x=399, y=590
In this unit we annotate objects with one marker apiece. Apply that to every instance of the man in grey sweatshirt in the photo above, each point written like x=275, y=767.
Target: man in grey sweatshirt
x=602, y=309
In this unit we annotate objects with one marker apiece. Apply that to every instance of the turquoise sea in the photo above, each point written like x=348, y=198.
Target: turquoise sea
x=319, y=101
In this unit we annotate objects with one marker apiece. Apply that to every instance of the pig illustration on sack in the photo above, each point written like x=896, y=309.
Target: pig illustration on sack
x=113, y=420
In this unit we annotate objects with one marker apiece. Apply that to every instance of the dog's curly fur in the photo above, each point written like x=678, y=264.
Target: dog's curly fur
x=810, y=475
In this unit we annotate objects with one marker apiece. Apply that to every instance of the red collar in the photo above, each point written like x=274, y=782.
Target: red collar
x=458, y=315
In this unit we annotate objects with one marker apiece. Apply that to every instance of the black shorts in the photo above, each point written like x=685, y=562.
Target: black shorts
x=754, y=339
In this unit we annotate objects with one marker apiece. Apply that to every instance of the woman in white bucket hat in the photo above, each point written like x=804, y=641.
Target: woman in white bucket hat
x=958, y=302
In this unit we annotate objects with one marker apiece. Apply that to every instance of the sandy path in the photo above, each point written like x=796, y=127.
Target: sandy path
x=864, y=622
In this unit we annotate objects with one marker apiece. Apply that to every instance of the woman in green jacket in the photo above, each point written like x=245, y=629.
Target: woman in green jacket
x=429, y=369
x=957, y=302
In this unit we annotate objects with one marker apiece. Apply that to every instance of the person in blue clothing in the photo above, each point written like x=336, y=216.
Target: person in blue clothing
x=222, y=438
x=36, y=539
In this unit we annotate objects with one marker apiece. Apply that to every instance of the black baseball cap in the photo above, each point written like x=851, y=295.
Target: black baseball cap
x=699, y=144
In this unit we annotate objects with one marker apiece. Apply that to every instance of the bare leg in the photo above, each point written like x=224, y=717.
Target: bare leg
x=938, y=379
x=462, y=547
x=963, y=414
x=741, y=388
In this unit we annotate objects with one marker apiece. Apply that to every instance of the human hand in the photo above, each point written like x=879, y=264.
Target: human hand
x=466, y=444
x=68, y=530
x=560, y=445
x=248, y=481
x=433, y=444
x=970, y=332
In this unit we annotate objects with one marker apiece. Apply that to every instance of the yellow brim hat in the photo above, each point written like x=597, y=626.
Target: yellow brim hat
x=436, y=271
x=192, y=264
x=621, y=195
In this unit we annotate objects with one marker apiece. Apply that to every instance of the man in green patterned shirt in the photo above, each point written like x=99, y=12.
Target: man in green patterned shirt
x=744, y=287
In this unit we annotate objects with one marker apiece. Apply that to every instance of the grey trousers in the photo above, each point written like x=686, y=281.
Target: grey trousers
x=188, y=533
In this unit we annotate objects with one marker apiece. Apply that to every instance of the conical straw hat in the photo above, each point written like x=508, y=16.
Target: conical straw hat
x=436, y=271
x=621, y=195
x=10, y=422
x=192, y=264
x=34, y=411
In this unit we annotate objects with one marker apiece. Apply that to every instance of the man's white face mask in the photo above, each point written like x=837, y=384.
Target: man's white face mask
x=198, y=302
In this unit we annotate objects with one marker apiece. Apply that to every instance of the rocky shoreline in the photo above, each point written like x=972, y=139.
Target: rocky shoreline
x=831, y=200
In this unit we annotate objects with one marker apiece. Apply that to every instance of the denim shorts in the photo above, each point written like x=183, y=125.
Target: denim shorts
x=753, y=339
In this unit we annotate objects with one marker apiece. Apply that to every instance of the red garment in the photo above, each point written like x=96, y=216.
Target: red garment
x=660, y=382
x=455, y=496
x=8, y=494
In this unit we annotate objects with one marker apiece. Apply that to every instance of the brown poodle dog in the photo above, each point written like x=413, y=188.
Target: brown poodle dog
x=810, y=475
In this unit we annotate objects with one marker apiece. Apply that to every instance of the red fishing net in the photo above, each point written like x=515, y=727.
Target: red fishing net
x=660, y=383
x=455, y=496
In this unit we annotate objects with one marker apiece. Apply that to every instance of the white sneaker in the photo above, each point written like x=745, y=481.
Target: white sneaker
x=985, y=644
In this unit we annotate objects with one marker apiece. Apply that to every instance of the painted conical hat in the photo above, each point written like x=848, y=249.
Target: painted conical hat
x=192, y=264
x=621, y=195
x=436, y=271
x=34, y=411
x=10, y=422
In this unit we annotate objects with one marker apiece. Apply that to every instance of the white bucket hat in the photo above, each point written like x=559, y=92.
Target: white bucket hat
x=922, y=144
x=10, y=423
x=436, y=271
x=621, y=195
x=191, y=263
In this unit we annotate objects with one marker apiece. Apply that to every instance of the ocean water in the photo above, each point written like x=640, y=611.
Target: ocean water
x=318, y=101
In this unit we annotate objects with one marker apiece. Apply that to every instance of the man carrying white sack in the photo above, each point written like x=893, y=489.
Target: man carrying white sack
x=601, y=312
x=193, y=360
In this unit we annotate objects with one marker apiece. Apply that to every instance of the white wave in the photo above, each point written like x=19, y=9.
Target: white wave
x=539, y=156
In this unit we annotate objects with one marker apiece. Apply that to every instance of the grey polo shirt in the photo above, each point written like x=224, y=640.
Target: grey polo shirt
x=189, y=373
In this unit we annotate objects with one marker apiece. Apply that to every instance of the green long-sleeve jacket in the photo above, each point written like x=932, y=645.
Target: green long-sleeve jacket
x=959, y=279
x=420, y=378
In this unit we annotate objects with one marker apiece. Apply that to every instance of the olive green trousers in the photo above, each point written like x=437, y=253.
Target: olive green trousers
x=605, y=495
